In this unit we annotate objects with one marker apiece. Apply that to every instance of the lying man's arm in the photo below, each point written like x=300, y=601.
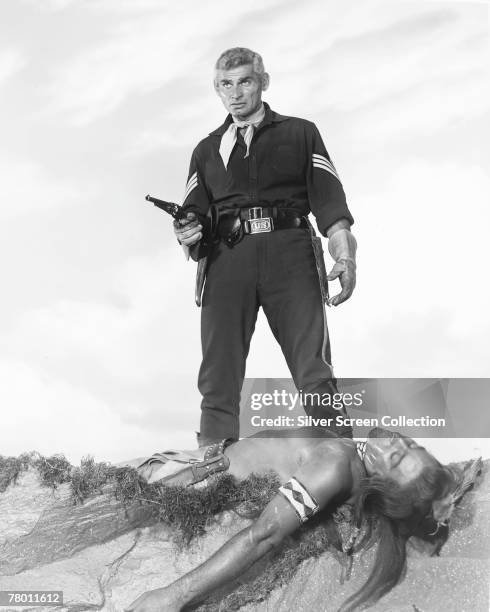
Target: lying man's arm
x=323, y=480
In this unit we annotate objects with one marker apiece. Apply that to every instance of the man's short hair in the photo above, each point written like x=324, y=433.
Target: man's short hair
x=240, y=56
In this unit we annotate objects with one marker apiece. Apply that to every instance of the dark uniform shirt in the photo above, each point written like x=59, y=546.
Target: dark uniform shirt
x=288, y=166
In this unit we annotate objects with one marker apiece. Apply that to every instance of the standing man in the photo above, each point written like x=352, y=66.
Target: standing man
x=257, y=177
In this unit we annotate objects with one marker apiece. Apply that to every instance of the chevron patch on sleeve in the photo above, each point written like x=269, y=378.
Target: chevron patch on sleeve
x=303, y=503
x=321, y=162
x=191, y=185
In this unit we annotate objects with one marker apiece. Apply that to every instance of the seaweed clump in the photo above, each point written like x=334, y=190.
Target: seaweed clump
x=191, y=509
x=11, y=468
x=89, y=478
x=53, y=471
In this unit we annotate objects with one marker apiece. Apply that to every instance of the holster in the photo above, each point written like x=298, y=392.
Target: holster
x=210, y=229
x=229, y=227
x=202, y=265
x=316, y=243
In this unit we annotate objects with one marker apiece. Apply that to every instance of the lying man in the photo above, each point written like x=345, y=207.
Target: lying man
x=388, y=476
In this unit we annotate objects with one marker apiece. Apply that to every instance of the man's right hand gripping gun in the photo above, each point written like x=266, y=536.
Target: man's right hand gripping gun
x=200, y=249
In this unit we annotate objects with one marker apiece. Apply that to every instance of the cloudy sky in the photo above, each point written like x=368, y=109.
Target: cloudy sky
x=102, y=101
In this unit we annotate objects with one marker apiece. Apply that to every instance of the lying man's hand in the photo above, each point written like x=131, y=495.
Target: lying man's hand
x=189, y=230
x=158, y=600
x=345, y=270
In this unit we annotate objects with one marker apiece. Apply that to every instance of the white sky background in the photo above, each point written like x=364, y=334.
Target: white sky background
x=103, y=101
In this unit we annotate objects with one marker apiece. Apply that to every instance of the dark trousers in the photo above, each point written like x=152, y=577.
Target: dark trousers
x=276, y=271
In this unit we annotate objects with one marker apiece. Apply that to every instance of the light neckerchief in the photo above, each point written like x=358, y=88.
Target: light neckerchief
x=228, y=140
x=361, y=450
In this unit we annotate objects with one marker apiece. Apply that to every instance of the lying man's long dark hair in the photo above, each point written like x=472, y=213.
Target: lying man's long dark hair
x=395, y=513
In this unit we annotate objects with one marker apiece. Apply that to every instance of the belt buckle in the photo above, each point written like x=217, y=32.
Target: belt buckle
x=257, y=223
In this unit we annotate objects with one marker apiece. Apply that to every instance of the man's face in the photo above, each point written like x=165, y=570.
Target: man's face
x=394, y=456
x=240, y=90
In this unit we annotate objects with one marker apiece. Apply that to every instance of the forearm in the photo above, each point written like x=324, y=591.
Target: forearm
x=231, y=560
x=341, y=243
x=342, y=223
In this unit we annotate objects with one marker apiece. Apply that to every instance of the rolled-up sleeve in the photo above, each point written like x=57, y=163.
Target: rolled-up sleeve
x=325, y=192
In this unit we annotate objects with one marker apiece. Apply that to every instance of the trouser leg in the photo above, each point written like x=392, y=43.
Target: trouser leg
x=289, y=292
x=228, y=316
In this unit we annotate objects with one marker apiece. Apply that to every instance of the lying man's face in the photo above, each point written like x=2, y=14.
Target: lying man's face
x=395, y=456
x=240, y=90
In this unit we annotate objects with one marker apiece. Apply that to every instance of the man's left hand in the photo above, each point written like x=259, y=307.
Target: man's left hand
x=345, y=271
x=158, y=600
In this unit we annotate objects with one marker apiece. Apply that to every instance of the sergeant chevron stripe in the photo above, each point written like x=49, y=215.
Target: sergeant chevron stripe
x=191, y=184
x=320, y=161
x=299, y=498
